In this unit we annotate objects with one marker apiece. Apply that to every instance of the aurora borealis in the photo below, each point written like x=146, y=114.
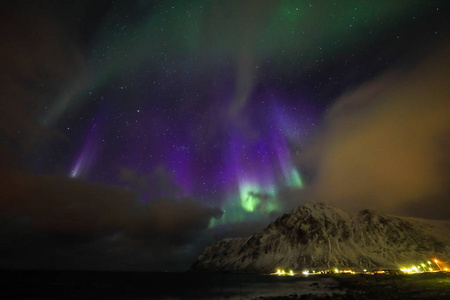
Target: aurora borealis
x=206, y=119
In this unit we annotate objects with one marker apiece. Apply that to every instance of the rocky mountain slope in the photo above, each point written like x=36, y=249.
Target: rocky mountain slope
x=322, y=237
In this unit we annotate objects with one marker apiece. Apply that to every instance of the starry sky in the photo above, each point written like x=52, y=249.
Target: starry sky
x=136, y=133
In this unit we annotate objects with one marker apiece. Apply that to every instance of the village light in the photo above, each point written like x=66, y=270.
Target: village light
x=436, y=261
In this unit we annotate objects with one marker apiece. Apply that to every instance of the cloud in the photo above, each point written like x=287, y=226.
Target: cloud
x=60, y=204
x=103, y=225
x=385, y=145
x=21, y=247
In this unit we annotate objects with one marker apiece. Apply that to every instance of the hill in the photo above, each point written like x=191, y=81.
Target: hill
x=318, y=236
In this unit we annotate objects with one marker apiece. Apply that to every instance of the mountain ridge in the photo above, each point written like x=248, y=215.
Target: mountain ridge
x=319, y=236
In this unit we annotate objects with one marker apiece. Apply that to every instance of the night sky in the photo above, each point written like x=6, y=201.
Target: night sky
x=135, y=133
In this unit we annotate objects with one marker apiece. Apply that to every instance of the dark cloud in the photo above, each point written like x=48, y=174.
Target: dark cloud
x=57, y=212
x=385, y=145
x=24, y=248
x=59, y=204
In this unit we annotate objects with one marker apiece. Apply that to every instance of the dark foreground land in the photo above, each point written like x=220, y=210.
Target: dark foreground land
x=140, y=285
x=415, y=286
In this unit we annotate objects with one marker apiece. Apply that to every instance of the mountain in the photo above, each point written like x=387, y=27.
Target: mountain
x=317, y=236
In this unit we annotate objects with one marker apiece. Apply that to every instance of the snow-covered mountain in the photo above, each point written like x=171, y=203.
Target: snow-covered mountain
x=322, y=237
